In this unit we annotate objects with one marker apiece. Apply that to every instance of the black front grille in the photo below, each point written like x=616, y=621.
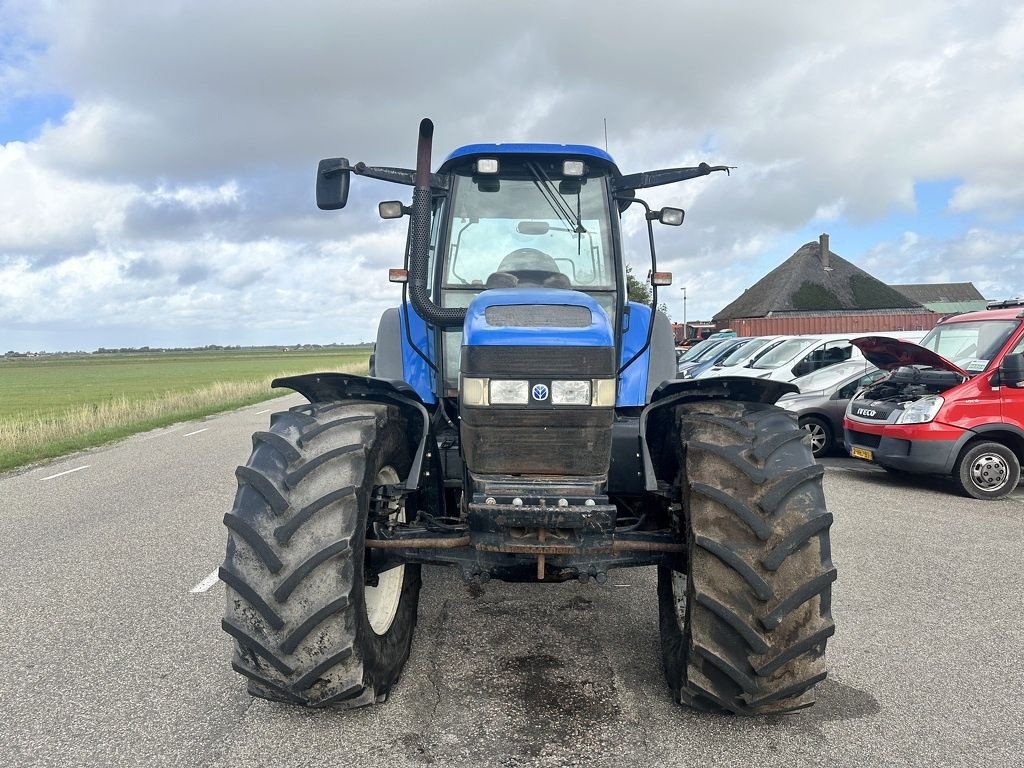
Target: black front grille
x=865, y=439
x=549, y=362
x=538, y=316
x=553, y=441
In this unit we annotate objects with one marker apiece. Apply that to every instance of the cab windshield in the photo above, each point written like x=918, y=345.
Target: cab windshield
x=970, y=345
x=529, y=226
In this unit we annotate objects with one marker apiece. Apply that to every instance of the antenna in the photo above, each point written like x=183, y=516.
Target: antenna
x=605, y=133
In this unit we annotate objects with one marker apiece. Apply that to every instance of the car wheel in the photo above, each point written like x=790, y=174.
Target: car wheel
x=821, y=435
x=987, y=471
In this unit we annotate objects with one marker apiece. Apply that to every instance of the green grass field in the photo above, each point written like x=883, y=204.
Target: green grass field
x=50, y=406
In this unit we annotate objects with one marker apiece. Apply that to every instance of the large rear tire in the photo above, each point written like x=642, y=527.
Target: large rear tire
x=745, y=630
x=307, y=628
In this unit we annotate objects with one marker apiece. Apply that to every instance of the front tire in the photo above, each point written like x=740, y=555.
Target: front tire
x=987, y=471
x=744, y=631
x=307, y=627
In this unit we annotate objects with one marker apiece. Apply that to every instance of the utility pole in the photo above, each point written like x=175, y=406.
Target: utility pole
x=686, y=331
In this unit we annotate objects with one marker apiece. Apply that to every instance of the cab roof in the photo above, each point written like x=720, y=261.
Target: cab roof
x=1004, y=313
x=473, y=151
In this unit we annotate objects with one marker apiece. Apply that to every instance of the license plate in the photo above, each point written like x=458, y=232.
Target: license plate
x=861, y=453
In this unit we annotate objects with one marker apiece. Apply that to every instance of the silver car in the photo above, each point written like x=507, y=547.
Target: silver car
x=821, y=402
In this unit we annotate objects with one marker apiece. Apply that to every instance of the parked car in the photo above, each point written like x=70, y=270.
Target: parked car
x=725, y=333
x=953, y=405
x=696, y=367
x=757, y=345
x=800, y=355
x=821, y=402
x=797, y=356
x=697, y=352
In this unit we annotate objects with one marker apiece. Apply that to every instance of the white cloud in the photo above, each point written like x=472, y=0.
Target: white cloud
x=992, y=260
x=48, y=211
x=178, y=188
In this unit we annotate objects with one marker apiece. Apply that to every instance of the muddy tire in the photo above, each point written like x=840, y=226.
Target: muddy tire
x=745, y=630
x=307, y=629
x=987, y=470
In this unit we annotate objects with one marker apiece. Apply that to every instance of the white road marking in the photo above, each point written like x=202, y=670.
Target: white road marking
x=159, y=433
x=68, y=472
x=622, y=585
x=189, y=434
x=268, y=410
x=206, y=583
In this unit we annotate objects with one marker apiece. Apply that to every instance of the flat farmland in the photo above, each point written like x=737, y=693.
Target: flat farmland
x=56, y=404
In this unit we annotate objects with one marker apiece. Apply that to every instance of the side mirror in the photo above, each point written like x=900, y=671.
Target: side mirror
x=332, y=177
x=671, y=216
x=1011, y=371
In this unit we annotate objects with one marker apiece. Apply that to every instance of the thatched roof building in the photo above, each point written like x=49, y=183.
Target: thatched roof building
x=817, y=291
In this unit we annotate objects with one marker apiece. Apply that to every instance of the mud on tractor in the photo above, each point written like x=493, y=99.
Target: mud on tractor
x=521, y=421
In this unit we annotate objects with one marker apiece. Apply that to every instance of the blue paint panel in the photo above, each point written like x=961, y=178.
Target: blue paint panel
x=415, y=370
x=477, y=332
x=490, y=150
x=633, y=380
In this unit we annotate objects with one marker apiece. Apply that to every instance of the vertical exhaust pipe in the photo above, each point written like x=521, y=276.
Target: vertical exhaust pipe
x=419, y=291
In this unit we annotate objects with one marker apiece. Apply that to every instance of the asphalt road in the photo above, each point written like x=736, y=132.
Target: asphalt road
x=110, y=658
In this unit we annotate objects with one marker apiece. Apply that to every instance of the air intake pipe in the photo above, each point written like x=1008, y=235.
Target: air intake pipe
x=419, y=294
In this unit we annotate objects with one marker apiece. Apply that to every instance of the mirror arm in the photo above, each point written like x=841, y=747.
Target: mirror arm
x=666, y=176
x=404, y=176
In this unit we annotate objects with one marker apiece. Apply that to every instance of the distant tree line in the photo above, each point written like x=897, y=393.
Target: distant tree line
x=208, y=348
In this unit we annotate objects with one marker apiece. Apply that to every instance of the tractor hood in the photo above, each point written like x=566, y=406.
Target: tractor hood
x=890, y=354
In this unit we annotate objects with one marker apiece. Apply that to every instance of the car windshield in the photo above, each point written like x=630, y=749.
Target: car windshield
x=970, y=345
x=783, y=353
x=745, y=352
x=529, y=225
x=710, y=352
x=698, y=349
x=831, y=376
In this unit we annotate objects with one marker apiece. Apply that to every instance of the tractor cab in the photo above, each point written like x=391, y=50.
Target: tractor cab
x=527, y=216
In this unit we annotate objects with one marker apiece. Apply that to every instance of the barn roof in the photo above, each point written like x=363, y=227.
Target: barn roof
x=806, y=282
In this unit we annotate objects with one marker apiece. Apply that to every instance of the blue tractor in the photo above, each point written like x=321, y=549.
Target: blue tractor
x=522, y=421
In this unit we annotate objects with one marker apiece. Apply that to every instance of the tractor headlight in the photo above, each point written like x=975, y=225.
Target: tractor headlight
x=474, y=391
x=920, y=411
x=570, y=393
x=573, y=168
x=509, y=392
x=488, y=165
x=477, y=391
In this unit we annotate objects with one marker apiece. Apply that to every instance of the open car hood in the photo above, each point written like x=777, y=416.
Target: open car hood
x=889, y=354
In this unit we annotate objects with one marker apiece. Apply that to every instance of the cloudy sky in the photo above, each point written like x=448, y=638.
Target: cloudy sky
x=157, y=159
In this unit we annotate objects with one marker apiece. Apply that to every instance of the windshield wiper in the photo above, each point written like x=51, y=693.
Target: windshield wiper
x=554, y=199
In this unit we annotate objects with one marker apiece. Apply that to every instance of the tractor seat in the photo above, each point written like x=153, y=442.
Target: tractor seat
x=528, y=266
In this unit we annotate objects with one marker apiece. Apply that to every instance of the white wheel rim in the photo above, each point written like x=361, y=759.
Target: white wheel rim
x=679, y=596
x=382, y=601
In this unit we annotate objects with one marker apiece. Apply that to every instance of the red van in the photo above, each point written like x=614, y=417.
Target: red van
x=953, y=405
